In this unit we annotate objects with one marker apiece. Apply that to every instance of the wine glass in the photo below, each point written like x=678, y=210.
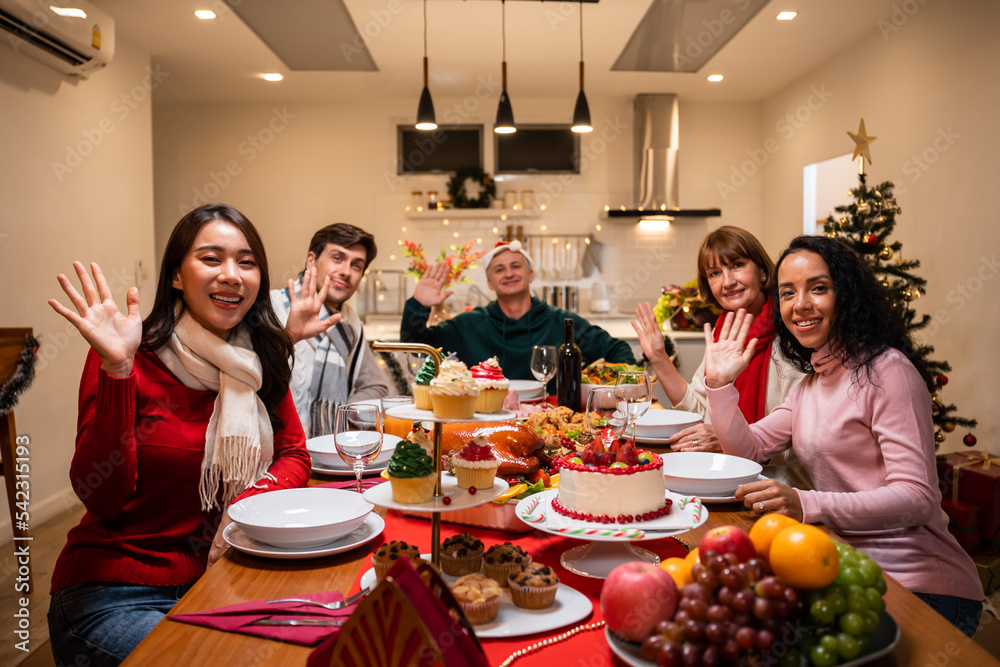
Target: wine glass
x=638, y=395
x=357, y=433
x=543, y=362
x=605, y=417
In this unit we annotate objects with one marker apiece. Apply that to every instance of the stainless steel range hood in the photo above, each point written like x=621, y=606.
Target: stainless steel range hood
x=656, y=128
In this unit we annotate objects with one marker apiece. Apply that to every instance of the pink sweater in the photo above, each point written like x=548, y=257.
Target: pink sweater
x=869, y=449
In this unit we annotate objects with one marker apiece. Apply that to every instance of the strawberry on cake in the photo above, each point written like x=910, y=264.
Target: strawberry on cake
x=617, y=485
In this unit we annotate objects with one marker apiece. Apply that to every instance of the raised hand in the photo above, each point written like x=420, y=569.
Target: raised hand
x=649, y=333
x=726, y=359
x=114, y=336
x=429, y=291
x=303, y=310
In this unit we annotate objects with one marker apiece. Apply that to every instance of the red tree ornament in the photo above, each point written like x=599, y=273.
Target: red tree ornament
x=970, y=440
x=942, y=380
x=871, y=239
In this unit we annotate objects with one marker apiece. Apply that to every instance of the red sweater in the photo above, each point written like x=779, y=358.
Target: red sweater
x=139, y=446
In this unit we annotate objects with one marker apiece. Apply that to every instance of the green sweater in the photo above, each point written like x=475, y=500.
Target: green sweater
x=486, y=332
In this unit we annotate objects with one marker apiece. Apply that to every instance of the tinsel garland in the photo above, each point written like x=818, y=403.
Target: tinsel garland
x=12, y=389
x=396, y=372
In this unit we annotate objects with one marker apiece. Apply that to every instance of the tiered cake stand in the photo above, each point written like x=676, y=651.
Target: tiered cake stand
x=458, y=498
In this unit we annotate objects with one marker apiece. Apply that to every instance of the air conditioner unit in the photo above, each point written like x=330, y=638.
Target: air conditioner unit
x=72, y=36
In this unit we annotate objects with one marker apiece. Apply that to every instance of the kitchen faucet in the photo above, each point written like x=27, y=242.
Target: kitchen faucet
x=479, y=295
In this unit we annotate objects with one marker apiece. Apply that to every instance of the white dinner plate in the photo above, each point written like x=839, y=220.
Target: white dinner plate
x=713, y=500
x=366, y=532
x=882, y=642
x=412, y=413
x=528, y=390
x=684, y=516
x=459, y=498
x=570, y=606
x=341, y=469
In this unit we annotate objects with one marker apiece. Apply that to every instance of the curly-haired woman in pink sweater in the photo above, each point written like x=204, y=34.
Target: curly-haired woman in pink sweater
x=860, y=422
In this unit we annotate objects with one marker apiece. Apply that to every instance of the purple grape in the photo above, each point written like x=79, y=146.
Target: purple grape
x=669, y=655
x=681, y=617
x=730, y=650
x=731, y=558
x=744, y=600
x=715, y=633
x=719, y=613
x=770, y=587
x=694, y=630
x=710, y=656
x=708, y=580
x=697, y=592
x=651, y=646
x=764, y=640
x=732, y=577
x=762, y=608
x=717, y=564
x=746, y=637
x=725, y=595
x=690, y=654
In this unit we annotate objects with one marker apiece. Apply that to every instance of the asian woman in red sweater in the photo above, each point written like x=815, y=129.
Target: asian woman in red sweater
x=179, y=415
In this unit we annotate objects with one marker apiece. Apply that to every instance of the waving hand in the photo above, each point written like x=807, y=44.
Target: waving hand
x=303, y=311
x=726, y=359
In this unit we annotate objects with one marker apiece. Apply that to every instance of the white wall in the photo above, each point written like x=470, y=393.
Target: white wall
x=97, y=206
x=927, y=89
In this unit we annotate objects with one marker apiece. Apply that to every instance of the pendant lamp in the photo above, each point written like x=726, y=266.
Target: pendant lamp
x=505, y=114
x=425, y=110
x=581, y=113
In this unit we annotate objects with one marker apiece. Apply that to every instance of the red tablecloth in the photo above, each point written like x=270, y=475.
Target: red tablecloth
x=584, y=648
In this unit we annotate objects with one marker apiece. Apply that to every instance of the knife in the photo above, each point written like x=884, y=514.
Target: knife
x=335, y=622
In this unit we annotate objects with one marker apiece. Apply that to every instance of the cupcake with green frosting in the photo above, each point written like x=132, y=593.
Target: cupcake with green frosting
x=411, y=473
x=422, y=385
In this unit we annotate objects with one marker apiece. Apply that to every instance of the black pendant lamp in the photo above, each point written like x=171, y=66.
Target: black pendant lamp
x=581, y=113
x=425, y=110
x=505, y=114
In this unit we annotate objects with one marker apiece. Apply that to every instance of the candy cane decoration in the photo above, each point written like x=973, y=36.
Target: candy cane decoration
x=593, y=532
x=694, y=500
x=526, y=514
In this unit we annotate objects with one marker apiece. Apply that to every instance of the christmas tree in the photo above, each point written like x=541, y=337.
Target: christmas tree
x=866, y=225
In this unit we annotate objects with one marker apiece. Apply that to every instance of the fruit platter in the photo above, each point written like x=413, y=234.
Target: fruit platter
x=783, y=594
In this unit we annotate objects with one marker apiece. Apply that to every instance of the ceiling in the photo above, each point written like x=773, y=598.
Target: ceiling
x=221, y=60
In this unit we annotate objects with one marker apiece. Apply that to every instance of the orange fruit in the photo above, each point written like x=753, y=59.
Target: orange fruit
x=693, y=556
x=679, y=569
x=805, y=557
x=762, y=533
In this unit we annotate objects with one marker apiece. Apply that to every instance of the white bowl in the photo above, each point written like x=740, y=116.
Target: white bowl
x=300, y=517
x=528, y=390
x=664, y=423
x=707, y=473
x=323, y=451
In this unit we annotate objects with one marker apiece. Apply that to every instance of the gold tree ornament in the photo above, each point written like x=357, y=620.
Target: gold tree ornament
x=948, y=427
x=885, y=253
x=939, y=436
x=861, y=147
x=864, y=208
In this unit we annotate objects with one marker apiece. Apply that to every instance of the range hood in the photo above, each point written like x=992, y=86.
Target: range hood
x=656, y=128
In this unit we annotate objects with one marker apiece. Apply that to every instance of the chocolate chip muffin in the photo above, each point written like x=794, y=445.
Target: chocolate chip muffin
x=461, y=554
x=387, y=554
x=501, y=559
x=478, y=596
x=533, y=586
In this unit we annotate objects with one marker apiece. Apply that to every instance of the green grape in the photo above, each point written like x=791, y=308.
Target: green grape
x=829, y=642
x=847, y=646
x=822, y=611
x=849, y=574
x=816, y=596
x=857, y=601
x=839, y=589
x=852, y=623
x=791, y=659
x=880, y=584
x=871, y=622
x=821, y=657
x=875, y=601
x=843, y=550
x=869, y=570
x=838, y=602
x=864, y=641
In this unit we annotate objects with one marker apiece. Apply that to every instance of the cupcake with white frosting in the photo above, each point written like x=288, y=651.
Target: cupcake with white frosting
x=453, y=392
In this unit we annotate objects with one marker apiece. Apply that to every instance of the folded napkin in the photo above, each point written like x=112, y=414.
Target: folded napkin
x=237, y=618
x=351, y=484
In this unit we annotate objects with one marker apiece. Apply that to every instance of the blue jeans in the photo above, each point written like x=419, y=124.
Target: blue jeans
x=104, y=622
x=963, y=613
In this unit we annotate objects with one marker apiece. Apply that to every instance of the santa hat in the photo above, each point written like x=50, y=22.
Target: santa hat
x=504, y=246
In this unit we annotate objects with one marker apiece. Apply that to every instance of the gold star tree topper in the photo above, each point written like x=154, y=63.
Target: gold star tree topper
x=861, y=147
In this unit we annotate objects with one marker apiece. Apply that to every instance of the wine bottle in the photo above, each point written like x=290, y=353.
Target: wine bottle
x=569, y=364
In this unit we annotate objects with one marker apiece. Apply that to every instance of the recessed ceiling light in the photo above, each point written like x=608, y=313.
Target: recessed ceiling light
x=71, y=12
x=786, y=16
x=205, y=14
x=272, y=76
x=715, y=77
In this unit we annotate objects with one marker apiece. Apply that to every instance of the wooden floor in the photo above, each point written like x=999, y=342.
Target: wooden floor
x=50, y=537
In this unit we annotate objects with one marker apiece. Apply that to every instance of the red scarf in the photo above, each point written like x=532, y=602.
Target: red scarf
x=752, y=382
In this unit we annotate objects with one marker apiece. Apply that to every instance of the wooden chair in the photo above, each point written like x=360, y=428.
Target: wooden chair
x=12, y=343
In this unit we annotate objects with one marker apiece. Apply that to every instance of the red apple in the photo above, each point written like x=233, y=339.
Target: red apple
x=728, y=540
x=636, y=596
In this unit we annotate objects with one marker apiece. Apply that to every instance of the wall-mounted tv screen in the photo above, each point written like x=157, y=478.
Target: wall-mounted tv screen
x=538, y=149
x=446, y=149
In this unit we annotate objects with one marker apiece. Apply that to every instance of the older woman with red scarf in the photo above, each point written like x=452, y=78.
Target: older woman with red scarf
x=734, y=272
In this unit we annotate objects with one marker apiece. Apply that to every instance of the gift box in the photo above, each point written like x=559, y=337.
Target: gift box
x=988, y=567
x=965, y=522
x=974, y=477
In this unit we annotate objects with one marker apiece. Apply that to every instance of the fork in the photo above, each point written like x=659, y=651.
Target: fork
x=327, y=605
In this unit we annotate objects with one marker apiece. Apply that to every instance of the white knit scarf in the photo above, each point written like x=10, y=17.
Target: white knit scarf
x=239, y=443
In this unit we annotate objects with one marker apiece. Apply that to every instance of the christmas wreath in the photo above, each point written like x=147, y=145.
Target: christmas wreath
x=456, y=188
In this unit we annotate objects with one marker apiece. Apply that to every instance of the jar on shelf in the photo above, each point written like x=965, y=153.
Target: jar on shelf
x=432, y=199
x=417, y=200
